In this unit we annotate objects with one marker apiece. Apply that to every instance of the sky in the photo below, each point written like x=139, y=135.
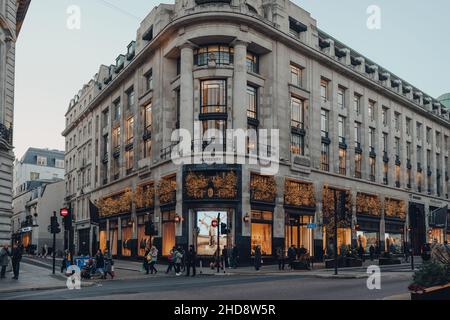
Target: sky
x=53, y=62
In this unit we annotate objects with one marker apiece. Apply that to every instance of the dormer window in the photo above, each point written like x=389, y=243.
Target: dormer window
x=148, y=35
x=120, y=62
x=296, y=27
x=131, y=50
x=252, y=9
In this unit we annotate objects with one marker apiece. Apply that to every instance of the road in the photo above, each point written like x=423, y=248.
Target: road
x=260, y=287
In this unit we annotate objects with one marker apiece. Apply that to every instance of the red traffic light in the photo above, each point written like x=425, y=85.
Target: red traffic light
x=214, y=223
x=64, y=212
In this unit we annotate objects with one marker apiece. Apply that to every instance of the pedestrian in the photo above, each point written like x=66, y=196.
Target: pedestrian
x=178, y=259
x=183, y=259
x=45, y=251
x=100, y=263
x=280, y=258
x=16, y=259
x=372, y=252
x=235, y=256
x=292, y=252
x=153, y=260
x=4, y=260
x=191, y=261
x=147, y=260
x=109, y=264
x=225, y=263
x=171, y=260
x=65, y=261
x=258, y=258
x=361, y=252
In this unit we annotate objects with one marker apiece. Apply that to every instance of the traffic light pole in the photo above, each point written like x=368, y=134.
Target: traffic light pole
x=218, y=243
x=54, y=246
x=335, y=233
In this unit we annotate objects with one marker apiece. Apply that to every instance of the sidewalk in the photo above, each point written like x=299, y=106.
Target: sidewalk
x=32, y=278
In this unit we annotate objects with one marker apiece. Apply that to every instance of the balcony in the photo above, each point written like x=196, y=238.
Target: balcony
x=105, y=158
x=372, y=178
x=297, y=127
x=372, y=152
x=408, y=164
x=358, y=148
x=419, y=167
x=342, y=143
x=385, y=157
x=397, y=184
x=148, y=133
x=429, y=172
x=213, y=112
x=397, y=161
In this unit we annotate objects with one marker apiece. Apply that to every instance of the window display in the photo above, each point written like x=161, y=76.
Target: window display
x=168, y=232
x=394, y=242
x=144, y=241
x=437, y=235
x=113, y=238
x=367, y=239
x=261, y=232
x=344, y=239
x=103, y=240
x=207, y=234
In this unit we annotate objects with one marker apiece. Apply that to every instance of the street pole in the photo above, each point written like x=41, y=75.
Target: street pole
x=54, y=245
x=335, y=234
x=218, y=243
x=412, y=248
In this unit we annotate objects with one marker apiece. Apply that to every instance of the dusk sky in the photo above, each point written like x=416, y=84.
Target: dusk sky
x=54, y=62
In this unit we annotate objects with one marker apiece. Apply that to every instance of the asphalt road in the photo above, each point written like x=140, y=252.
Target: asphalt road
x=261, y=287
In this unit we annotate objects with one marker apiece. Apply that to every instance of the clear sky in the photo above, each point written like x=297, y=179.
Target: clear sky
x=53, y=62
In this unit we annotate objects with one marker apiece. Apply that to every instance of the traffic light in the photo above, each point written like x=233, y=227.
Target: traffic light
x=150, y=229
x=224, y=229
x=54, y=225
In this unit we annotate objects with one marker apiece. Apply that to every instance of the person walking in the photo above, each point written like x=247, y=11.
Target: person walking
x=258, y=258
x=225, y=263
x=100, y=263
x=292, y=253
x=45, y=251
x=191, y=261
x=280, y=258
x=171, y=260
x=147, y=260
x=109, y=264
x=372, y=252
x=16, y=258
x=178, y=259
x=4, y=260
x=235, y=257
x=65, y=261
x=153, y=260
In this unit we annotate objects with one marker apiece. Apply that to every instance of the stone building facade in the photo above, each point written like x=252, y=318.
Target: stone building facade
x=12, y=15
x=345, y=123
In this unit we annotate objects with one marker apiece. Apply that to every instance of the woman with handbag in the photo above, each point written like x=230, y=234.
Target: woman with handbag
x=147, y=260
x=109, y=264
x=154, y=258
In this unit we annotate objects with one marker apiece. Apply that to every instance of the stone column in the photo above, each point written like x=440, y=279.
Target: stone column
x=187, y=87
x=240, y=85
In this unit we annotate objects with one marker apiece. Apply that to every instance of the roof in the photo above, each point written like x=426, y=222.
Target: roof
x=22, y=8
x=31, y=154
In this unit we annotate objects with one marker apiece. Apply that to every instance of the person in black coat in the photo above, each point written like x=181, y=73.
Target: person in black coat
x=225, y=263
x=100, y=263
x=258, y=258
x=372, y=252
x=234, y=257
x=16, y=258
x=292, y=254
x=191, y=261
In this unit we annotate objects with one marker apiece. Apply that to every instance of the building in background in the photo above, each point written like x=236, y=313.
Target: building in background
x=345, y=124
x=12, y=15
x=31, y=215
x=37, y=164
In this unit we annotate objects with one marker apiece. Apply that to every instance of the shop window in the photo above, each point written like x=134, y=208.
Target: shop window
x=113, y=238
x=103, y=240
x=394, y=242
x=168, y=232
x=261, y=231
x=344, y=240
x=367, y=239
x=127, y=233
x=207, y=235
x=144, y=241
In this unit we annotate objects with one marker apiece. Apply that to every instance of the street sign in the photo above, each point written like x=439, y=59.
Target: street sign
x=214, y=223
x=311, y=226
x=64, y=212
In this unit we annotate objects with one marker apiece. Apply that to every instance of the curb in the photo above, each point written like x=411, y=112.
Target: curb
x=83, y=284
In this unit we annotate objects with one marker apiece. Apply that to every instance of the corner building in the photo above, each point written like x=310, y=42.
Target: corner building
x=345, y=124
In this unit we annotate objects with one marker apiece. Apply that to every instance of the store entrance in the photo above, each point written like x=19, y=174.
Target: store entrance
x=297, y=233
x=207, y=237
